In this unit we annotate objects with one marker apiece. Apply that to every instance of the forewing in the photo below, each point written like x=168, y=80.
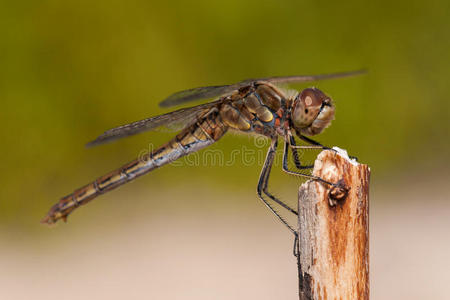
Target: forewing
x=209, y=92
x=308, y=78
x=206, y=92
x=181, y=116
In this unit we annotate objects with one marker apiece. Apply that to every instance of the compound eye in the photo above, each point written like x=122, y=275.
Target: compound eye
x=312, y=98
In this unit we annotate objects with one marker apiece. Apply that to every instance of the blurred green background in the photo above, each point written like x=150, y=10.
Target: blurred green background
x=71, y=69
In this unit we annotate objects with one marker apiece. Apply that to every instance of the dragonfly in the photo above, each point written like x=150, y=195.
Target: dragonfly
x=253, y=106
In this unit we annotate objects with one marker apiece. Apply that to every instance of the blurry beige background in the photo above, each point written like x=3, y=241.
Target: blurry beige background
x=71, y=69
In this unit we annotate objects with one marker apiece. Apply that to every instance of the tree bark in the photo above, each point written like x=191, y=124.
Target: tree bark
x=333, y=244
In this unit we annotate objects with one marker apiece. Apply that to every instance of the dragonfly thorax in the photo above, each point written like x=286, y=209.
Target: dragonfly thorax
x=312, y=111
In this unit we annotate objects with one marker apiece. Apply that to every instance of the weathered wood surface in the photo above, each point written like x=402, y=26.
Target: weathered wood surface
x=333, y=240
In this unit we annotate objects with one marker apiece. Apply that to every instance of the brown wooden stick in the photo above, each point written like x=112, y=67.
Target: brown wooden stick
x=333, y=245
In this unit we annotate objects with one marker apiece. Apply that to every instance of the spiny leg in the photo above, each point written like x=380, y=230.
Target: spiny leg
x=286, y=168
x=313, y=142
x=290, y=143
x=265, y=179
x=295, y=154
x=314, y=145
x=296, y=250
x=338, y=190
x=266, y=184
x=262, y=184
x=317, y=145
x=287, y=145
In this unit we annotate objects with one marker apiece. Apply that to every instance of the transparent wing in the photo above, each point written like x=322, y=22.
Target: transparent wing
x=223, y=90
x=308, y=78
x=178, y=117
x=206, y=92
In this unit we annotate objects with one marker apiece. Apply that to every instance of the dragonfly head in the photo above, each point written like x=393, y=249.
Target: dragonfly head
x=312, y=111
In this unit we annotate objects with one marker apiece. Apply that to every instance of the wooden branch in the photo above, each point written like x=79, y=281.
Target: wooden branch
x=333, y=244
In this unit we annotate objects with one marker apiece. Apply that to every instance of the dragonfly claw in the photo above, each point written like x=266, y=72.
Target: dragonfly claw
x=338, y=192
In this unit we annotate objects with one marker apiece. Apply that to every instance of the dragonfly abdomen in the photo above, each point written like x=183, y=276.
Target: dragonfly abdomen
x=203, y=133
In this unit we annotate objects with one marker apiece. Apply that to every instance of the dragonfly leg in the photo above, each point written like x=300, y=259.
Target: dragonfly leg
x=317, y=145
x=262, y=186
x=286, y=169
x=266, y=183
x=295, y=250
x=313, y=142
x=294, y=148
x=338, y=188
